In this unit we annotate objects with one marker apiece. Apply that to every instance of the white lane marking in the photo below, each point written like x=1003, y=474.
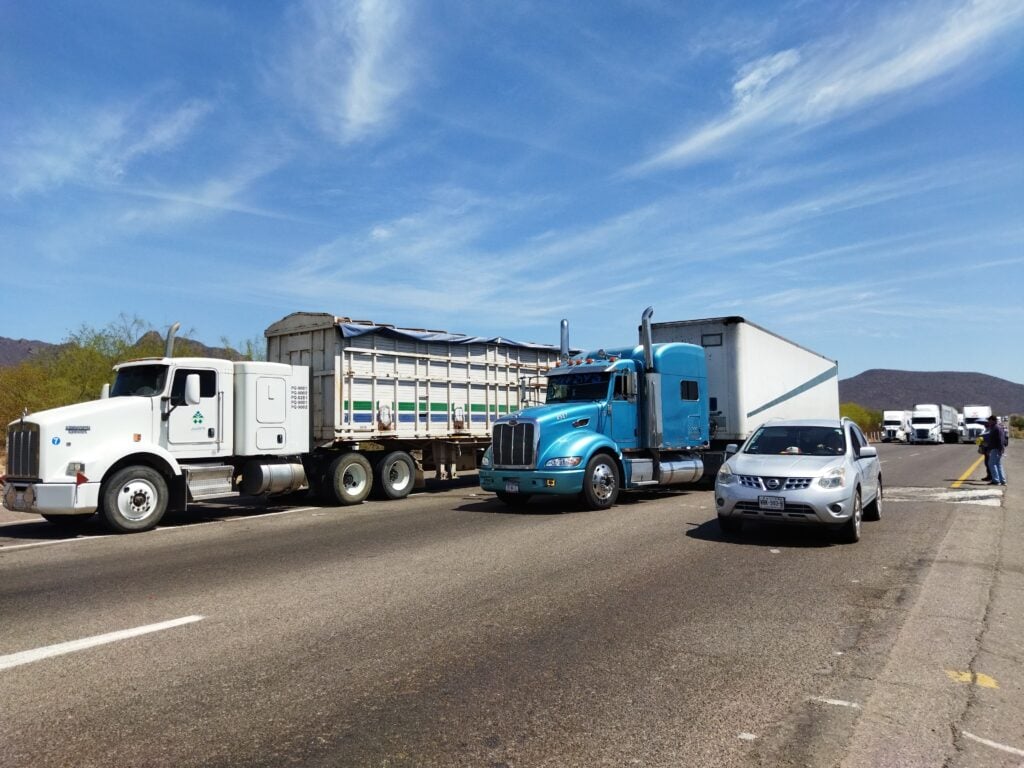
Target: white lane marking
x=27, y=657
x=775, y=551
x=747, y=736
x=994, y=744
x=915, y=454
x=267, y=514
x=186, y=527
x=834, y=702
x=986, y=497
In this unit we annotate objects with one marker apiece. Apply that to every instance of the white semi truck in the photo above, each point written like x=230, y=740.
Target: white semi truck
x=975, y=418
x=753, y=375
x=896, y=426
x=341, y=406
x=934, y=423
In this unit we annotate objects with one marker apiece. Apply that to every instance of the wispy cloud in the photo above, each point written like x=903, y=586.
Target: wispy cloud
x=98, y=145
x=797, y=89
x=349, y=63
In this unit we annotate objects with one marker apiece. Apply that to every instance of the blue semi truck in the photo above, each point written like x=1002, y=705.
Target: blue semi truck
x=654, y=414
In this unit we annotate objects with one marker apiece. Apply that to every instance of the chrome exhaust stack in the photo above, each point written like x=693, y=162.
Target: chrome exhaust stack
x=564, y=348
x=169, y=345
x=645, y=338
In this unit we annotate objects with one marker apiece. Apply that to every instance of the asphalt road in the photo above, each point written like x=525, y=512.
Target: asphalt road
x=446, y=630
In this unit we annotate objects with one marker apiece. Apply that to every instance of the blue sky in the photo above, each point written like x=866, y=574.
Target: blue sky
x=849, y=175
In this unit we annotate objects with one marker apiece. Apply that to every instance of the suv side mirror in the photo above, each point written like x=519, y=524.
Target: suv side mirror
x=731, y=449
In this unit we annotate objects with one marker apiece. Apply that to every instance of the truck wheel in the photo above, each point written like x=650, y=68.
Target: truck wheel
x=133, y=499
x=350, y=479
x=873, y=511
x=514, y=499
x=731, y=526
x=850, y=532
x=600, y=482
x=394, y=475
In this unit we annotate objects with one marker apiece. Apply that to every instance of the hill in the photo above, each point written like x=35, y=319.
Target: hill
x=881, y=389
x=15, y=351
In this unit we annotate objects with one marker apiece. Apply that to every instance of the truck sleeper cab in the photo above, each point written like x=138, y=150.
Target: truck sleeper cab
x=608, y=424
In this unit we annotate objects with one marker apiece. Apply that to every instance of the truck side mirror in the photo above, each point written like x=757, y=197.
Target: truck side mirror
x=105, y=391
x=192, y=389
x=630, y=384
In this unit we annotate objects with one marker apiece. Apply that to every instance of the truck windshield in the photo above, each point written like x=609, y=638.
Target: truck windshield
x=923, y=420
x=891, y=423
x=140, y=380
x=578, y=387
x=806, y=441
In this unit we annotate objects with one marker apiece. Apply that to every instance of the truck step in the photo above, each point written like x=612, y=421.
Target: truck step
x=210, y=482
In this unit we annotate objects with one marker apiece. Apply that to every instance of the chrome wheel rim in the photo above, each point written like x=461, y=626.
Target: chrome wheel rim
x=137, y=500
x=354, y=479
x=399, y=476
x=602, y=481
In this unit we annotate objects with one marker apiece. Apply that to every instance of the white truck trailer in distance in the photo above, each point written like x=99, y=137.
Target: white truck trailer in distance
x=896, y=426
x=754, y=375
x=934, y=423
x=975, y=418
x=341, y=407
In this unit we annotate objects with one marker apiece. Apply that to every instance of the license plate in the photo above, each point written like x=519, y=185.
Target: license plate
x=771, y=502
x=511, y=486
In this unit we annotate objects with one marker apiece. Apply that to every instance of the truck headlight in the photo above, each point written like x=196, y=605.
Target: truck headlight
x=564, y=461
x=725, y=476
x=834, y=478
x=486, y=460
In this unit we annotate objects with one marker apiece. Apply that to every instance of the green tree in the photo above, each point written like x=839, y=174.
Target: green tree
x=865, y=418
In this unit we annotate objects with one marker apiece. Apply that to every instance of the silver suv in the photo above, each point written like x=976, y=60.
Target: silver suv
x=808, y=471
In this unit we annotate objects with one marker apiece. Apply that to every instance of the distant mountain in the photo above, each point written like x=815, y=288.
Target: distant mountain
x=15, y=351
x=881, y=389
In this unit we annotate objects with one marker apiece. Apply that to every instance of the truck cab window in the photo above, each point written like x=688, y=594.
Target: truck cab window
x=207, y=383
x=619, y=391
x=140, y=381
x=688, y=391
x=578, y=387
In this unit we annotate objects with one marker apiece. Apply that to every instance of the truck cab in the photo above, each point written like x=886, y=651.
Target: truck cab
x=169, y=430
x=613, y=419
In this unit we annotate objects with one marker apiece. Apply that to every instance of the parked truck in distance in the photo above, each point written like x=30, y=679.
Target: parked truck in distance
x=934, y=423
x=975, y=418
x=657, y=414
x=896, y=426
x=341, y=407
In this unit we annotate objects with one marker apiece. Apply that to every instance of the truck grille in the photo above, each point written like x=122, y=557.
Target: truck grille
x=515, y=444
x=23, y=451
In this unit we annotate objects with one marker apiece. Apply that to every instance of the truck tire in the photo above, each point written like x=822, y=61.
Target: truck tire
x=349, y=479
x=394, y=475
x=873, y=511
x=133, y=499
x=514, y=499
x=849, y=533
x=600, y=482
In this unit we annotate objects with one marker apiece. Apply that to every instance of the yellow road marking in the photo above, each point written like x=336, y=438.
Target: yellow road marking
x=968, y=473
x=982, y=681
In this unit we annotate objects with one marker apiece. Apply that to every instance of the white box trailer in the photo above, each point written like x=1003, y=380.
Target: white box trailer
x=380, y=389
x=754, y=375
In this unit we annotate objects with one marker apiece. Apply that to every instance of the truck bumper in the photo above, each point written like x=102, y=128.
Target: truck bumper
x=553, y=483
x=52, y=498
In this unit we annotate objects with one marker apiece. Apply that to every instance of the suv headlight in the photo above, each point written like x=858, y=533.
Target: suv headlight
x=564, y=461
x=725, y=476
x=487, y=460
x=834, y=478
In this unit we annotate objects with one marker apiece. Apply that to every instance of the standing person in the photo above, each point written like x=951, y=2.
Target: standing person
x=982, y=442
x=995, y=442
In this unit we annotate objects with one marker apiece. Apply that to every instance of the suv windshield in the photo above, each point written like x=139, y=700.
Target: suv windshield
x=140, y=380
x=807, y=441
x=578, y=387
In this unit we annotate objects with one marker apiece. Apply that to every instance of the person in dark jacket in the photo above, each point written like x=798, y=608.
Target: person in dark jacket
x=996, y=444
